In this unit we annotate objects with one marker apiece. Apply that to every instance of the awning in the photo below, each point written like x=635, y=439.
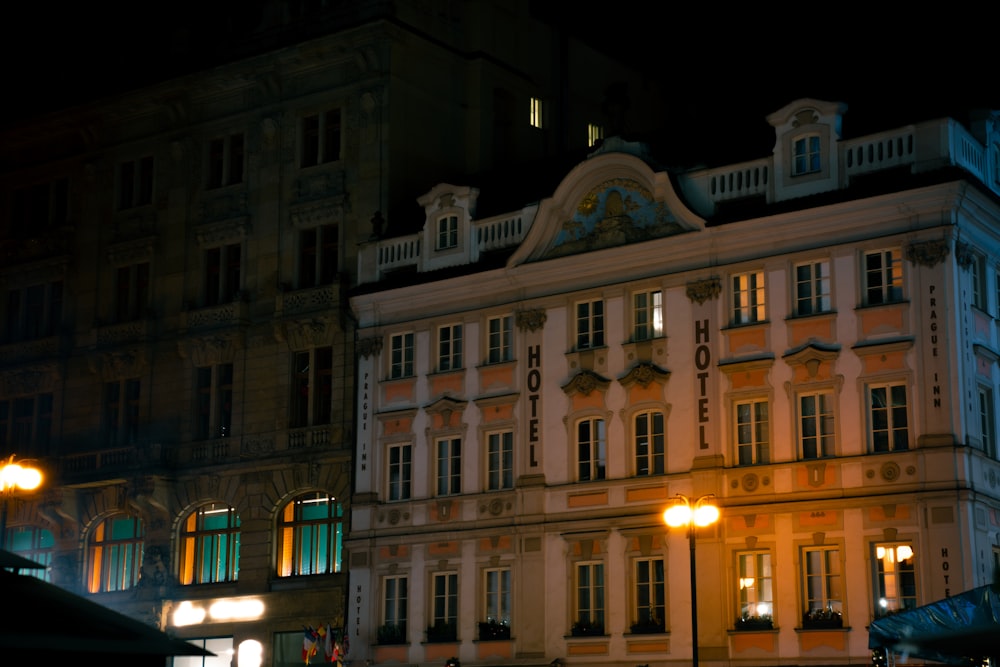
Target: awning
x=957, y=630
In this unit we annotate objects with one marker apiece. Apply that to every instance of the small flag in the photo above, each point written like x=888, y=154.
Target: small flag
x=308, y=643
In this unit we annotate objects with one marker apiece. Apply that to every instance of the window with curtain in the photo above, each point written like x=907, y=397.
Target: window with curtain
x=114, y=554
x=210, y=545
x=310, y=536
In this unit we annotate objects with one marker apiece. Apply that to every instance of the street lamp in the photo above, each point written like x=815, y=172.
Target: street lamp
x=685, y=513
x=14, y=476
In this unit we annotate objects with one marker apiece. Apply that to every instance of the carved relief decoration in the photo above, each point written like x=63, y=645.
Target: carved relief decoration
x=703, y=290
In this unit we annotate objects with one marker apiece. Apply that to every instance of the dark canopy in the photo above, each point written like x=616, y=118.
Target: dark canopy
x=955, y=630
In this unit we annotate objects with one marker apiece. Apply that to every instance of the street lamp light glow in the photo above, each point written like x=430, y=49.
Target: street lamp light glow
x=14, y=477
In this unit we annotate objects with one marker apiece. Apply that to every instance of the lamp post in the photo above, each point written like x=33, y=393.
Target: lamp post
x=14, y=476
x=684, y=512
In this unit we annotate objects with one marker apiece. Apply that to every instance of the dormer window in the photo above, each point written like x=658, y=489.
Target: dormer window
x=447, y=232
x=807, y=155
x=535, y=113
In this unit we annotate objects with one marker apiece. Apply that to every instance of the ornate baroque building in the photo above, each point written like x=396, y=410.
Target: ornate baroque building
x=176, y=347
x=808, y=340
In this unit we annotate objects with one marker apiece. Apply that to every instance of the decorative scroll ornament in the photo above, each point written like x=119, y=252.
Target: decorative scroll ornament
x=928, y=253
x=703, y=290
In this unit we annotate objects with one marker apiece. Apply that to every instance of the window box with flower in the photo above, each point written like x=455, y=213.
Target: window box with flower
x=442, y=631
x=748, y=622
x=822, y=619
x=587, y=629
x=493, y=629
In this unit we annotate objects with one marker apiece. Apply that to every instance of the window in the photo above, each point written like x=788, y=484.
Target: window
x=121, y=412
x=210, y=545
x=977, y=277
x=895, y=577
x=647, y=313
x=535, y=112
x=131, y=292
x=591, y=449
x=33, y=312
x=824, y=596
x=114, y=554
x=36, y=544
x=318, y=250
x=26, y=424
x=447, y=232
x=321, y=138
x=996, y=273
x=497, y=585
x=500, y=333
x=400, y=459
x=310, y=536
x=401, y=356
x=987, y=422
x=595, y=133
x=394, y=602
x=748, y=297
x=39, y=207
x=650, y=444
x=225, y=161
x=589, y=324
x=887, y=419
x=649, y=613
x=450, y=347
x=135, y=183
x=754, y=585
x=883, y=279
x=312, y=387
x=752, y=440
x=590, y=597
x=223, y=649
x=807, y=155
x=816, y=425
x=812, y=288
x=214, y=415
x=500, y=461
x=449, y=466
x=444, y=602
x=222, y=274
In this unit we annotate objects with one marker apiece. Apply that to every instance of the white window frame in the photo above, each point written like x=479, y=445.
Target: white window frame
x=882, y=276
x=649, y=442
x=748, y=297
x=591, y=449
x=812, y=287
x=822, y=580
x=446, y=237
x=649, y=591
x=755, y=583
x=535, y=113
x=448, y=466
x=589, y=324
x=444, y=600
x=395, y=599
x=500, y=337
x=752, y=432
x=817, y=424
x=647, y=314
x=987, y=420
x=399, y=471
x=894, y=573
x=893, y=414
x=590, y=601
x=807, y=153
x=497, y=601
x=500, y=460
x=977, y=279
x=401, y=355
x=449, y=352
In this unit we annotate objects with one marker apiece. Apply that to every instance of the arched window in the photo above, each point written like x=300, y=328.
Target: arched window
x=33, y=543
x=210, y=545
x=310, y=536
x=114, y=554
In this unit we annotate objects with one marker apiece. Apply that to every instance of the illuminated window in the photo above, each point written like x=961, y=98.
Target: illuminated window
x=449, y=466
x=312, y=387
x=807, y=155
x=447, y=232
x=222, y=274
x=135, y=183
x=320, y=137
x=225, y=161
x=589, y=324
x=650, y=443
x=121, y=412
x=222, y=647
x=400, y=458
x=888, y=428
x=210, y=545
x=500, y=461
x=595, y=133
x=318, y=261
x=35, y=544
x=647, y=315
x=752, y=432
x=822, y=586
x=756, y=599
x=114, y=554
x=450, y=347
x=649, y=610
x=497, y=595
x=589, y=599
x=214, y=391
x=816, y=425
x=812, y=288
x=895, y=577
x=536, y=112
x=591, y=448
x=33, y=312
x=748, y=297
x=310, y=536
x=499, y=342
x=401, y=355
x=883, y=277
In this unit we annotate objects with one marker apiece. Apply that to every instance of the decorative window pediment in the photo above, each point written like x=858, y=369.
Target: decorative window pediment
x=585, y=382
x=642, y=374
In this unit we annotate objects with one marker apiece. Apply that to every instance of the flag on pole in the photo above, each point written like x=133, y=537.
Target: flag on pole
x=308, y=643
x=328, y=644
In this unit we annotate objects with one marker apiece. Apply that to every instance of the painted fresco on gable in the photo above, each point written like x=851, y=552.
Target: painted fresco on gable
x=614, y=213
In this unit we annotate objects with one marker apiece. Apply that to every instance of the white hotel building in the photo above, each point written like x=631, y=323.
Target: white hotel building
x=810, y=338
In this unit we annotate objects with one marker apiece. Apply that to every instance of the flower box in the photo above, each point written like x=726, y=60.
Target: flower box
x=493, y=630
x=754, y=623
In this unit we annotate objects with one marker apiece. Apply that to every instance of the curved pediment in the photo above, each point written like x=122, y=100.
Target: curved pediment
x=610, y=200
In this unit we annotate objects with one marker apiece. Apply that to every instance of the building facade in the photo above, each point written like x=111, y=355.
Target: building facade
x=177, y=350
x=808, y=341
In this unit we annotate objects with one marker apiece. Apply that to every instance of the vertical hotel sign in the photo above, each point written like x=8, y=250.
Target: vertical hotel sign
x=533, y=320
x=701, y=291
